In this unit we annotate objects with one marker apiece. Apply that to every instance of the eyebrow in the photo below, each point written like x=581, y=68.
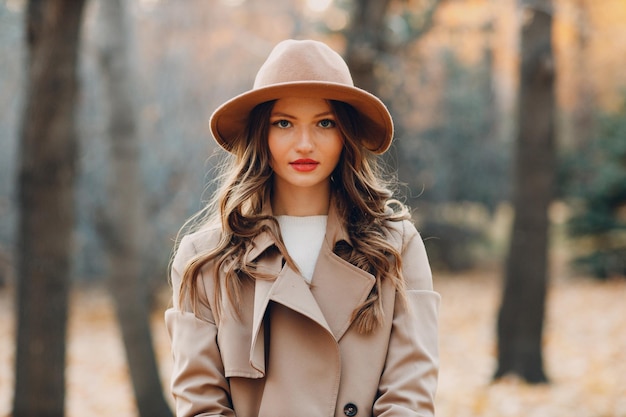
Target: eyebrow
x=280, y=114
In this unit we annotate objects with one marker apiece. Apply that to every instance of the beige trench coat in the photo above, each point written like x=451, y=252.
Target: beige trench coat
x=294, y=351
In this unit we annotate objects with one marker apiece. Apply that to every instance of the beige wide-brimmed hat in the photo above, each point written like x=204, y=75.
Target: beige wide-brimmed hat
x=304, y=68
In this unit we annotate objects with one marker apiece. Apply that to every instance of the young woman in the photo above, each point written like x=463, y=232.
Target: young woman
x=304, y=289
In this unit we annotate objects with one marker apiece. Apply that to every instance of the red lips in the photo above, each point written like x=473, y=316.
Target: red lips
x=304, y=165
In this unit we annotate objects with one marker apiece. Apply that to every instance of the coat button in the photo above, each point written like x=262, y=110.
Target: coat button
x=350, y=410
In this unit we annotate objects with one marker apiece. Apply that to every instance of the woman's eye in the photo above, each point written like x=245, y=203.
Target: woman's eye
x=327, y=123
x=283, y=124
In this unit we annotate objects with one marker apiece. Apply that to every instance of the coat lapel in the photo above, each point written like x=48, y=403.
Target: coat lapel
x=290, y=290
x=336, y=290
x=339, y=288
x=257, y=348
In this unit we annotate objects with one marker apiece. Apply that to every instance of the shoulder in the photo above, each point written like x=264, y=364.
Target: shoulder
x=193, y=245
x=401, y=233
x=190, y=247
x=202, y=240
x=415, y=266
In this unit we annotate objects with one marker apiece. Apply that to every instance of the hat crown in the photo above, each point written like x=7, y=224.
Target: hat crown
x=306, y=60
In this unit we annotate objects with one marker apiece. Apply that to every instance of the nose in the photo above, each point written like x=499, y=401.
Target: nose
x=305, y=140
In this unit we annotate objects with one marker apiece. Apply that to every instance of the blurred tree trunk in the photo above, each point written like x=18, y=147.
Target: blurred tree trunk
x=365, y=38
x=47, y=171
x=520, y=321
x=123, y=220
x=368, y=41
x=585, y=97
x=367, y=45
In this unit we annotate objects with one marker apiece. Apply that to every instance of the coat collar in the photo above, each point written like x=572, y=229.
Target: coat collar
x=335, y=231
x=336, y=290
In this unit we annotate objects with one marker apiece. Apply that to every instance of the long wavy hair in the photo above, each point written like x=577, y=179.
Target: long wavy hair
x=362, y=196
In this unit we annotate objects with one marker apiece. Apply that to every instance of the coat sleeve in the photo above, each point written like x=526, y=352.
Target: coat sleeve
x=409, y=380
x=198, y=384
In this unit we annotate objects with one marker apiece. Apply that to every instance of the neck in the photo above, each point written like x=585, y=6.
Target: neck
x=301, y=201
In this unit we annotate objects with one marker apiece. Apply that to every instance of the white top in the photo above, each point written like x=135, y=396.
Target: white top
x=303, y=237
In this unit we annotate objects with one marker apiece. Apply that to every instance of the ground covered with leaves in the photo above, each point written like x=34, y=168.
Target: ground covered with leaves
x=585, y=353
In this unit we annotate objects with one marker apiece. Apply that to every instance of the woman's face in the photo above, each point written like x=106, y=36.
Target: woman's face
x=305, y=143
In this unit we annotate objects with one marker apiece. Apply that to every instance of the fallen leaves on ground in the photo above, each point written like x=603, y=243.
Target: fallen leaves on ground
x=584, y=353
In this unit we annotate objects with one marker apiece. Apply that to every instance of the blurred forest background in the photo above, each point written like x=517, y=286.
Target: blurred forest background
x=451, y=89
x=449, y=72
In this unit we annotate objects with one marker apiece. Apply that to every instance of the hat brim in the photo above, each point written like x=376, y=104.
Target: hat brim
x=229, y=120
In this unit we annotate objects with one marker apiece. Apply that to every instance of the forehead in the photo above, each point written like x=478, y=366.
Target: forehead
x=301, y=106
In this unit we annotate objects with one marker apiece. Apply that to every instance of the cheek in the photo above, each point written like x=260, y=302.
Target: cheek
x=272, y=146
x=278, y=151
x=338, y=147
